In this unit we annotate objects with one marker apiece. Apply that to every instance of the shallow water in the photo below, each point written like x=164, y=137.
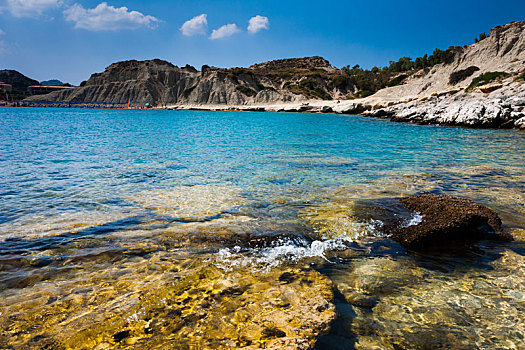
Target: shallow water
x=143, y=229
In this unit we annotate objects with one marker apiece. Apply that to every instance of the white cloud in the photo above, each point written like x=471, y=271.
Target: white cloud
x=2, y=32
x=106, y=17
x=195, y=26
x=30, y=8
x=258, y=23
x=224, y=31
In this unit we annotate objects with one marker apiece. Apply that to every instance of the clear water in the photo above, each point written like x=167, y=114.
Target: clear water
x=118, y=228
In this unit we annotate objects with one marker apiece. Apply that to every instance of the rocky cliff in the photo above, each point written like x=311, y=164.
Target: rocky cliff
x=161, y=83
x=482, y=86
x=503, y=108
x=502, y=51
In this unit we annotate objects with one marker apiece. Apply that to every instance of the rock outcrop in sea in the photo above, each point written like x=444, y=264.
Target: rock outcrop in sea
x=445, y=220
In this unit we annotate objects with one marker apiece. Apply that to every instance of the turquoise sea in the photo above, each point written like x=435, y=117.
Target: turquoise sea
x=195, y=229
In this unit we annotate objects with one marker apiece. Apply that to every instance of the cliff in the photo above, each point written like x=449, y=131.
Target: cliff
x=483, y=85
x=502, y=51
x=161, y=83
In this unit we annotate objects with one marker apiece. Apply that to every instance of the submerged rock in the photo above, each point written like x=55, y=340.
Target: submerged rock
x=426, y=302
x=446, y=219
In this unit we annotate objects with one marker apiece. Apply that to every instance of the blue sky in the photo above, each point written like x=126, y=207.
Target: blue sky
x=71, y=39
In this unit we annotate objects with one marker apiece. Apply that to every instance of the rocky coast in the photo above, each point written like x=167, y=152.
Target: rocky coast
x=480, y=85
x=133, y=229
x=504, y=108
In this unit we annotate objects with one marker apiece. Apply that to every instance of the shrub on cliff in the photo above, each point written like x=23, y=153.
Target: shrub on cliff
x=485, y=79
x=362, y=79
x=481, y=37
x=341, y=82
x=363, y=93
x=308, y=88
x=461, y=75
x=238, y=71
x=318, y=92
x=405, y=64
x=397, y=80
x=311, y=88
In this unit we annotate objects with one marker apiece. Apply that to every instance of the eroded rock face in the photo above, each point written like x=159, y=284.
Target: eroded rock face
x=18, y=81
x=445, y=219
x=500, y=109
x=161, y=83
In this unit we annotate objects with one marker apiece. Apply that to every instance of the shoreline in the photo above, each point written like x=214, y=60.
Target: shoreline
x=503, y=108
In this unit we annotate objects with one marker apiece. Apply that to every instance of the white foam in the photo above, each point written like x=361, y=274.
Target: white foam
x=338, y=237
x=415, y=220
x=285, y=252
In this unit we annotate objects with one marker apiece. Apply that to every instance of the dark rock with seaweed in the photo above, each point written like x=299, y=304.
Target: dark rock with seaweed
x=447, y=219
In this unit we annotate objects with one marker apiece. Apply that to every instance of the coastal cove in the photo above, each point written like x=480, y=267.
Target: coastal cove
x=481, y=85
x=197, y=229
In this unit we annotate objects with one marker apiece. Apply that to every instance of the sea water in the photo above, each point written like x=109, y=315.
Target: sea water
x=196, y=229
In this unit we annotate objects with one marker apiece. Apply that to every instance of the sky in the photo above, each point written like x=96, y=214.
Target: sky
x=71, y=39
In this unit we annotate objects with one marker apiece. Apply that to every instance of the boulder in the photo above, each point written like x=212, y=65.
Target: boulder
x=518, y=101
x=520, y=123
x=446, y=220
x=350, y=108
